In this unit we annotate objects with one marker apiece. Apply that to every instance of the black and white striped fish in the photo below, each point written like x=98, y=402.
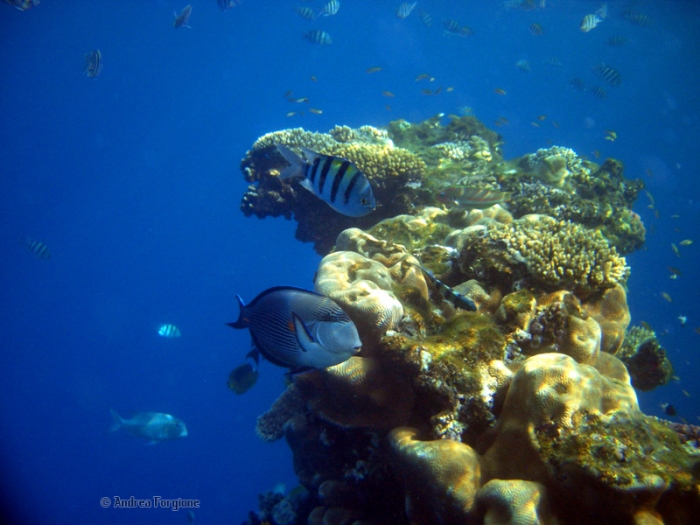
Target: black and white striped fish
x=456, y=299
x=336, y=181
x=316, y=36
x=405, y=9
x=426, y=18
x=608, y=74
x=330, y=8
x=93, y=63
x=305, y=12
x=37, y=248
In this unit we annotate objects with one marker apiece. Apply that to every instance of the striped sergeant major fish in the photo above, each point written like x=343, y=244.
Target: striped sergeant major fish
x=330, y=8
x=591, y=21
x=336, y=181
x=169, y=330
x=608, y=74
x=456, y=299
x=39, y=249
x=405, y=9
x=316, y=36
x=473, y=198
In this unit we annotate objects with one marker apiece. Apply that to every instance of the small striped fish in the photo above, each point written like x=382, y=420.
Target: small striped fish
x=337, y=182
x=456, y=299
x=316, y=36
x=608, y=74
x=470, y=197
x=38, y=248
x=426, y=18
x=589, y=22
x=305, y=12
x=330, y=8
x=224, y=5
x=599, y=92
x=523, y=65
x=93, y=63
x=616, y=41
x=169, y=330
x=452, y=26
x=405, y=9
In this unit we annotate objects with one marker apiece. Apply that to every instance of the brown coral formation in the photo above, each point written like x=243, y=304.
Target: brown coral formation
x=523, y=411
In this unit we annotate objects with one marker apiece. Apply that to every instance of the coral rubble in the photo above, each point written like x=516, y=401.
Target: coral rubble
x=523, y=411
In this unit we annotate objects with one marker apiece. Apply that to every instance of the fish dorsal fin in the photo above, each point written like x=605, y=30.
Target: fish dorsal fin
x=304, y=337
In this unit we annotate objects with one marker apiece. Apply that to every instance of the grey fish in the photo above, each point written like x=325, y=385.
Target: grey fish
x=153, y=426
x=334, y=180
x=184, y=17
x=299, y=329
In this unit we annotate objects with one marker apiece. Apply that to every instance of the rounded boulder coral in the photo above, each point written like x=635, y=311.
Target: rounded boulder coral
x=362, y=287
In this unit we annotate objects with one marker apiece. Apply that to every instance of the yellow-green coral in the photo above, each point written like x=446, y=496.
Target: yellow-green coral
x=546, y=253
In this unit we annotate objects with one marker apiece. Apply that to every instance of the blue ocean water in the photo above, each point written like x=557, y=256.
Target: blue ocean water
x=132, y=180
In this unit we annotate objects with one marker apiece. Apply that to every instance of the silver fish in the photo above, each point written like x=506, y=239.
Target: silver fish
x=184, y=17
x=93, y=63
x=299, y=329
x=523, y=65
x=153, y=426
x=336, y=181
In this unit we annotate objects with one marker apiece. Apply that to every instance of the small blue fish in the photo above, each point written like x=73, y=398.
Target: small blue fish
x=456, y=299
x=336, y=181
x=153, y=426
x=299, y=329
x=169, y=330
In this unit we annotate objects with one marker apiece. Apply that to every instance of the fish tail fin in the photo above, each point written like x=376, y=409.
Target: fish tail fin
x=117, y=421
x=241, y=322
x=296, y=163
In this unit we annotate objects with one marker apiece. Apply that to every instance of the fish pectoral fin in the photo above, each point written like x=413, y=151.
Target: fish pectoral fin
x=304, y=337
x=305, y=183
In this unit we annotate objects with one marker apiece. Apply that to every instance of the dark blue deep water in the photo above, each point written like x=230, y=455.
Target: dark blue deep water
x=132, y=180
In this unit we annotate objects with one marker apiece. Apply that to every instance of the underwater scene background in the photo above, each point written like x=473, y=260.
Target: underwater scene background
x=122, y=207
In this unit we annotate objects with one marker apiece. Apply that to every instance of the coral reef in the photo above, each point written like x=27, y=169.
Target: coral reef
x=522, y=411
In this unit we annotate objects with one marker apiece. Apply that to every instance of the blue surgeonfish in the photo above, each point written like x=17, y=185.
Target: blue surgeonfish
x=299, y=329
x=153, y=426
x=336, y=181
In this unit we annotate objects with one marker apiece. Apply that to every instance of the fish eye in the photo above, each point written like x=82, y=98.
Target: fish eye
x=363, y=201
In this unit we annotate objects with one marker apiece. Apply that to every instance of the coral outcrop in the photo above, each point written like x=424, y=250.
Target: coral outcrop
x=496, y=382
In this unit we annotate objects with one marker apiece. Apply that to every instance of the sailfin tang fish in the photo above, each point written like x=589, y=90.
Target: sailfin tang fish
x=297, y=328
x=456, y=299
x=153, y=426
x=336, y=181
x=469, y=197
